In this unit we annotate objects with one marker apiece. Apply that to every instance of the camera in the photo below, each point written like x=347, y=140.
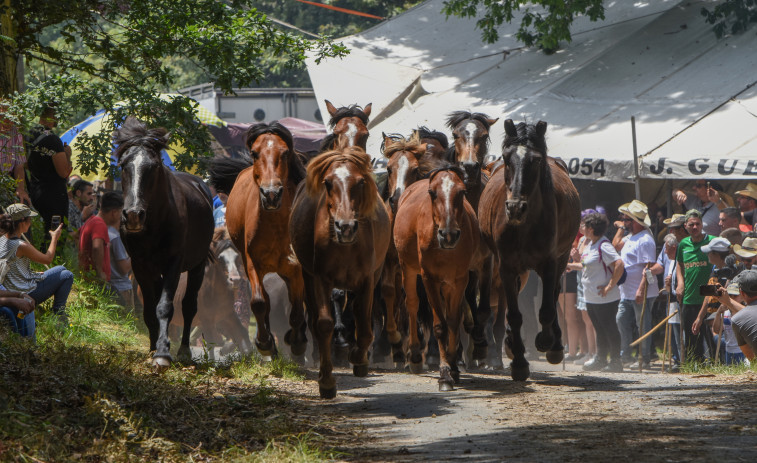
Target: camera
x=55, y=222
x=725, y=273
x=708, y=290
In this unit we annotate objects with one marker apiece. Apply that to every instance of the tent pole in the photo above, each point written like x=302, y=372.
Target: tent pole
x=635, y=159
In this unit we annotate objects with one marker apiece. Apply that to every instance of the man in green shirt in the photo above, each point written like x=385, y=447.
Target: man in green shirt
x=693, y=270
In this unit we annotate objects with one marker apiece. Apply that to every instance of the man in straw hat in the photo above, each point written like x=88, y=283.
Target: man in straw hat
x=638, y=254
x=708, y=199
x=744, y=318
x=675, y=226
x=693, y=270
x=747, y=202
x=746, y=251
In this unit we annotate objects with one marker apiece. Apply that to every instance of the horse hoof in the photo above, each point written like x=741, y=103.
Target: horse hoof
x=298, y=349
x=455, y=376
x=555, y=356
x=398, y=357
x=161, y=364
x=543, y=343
x=519, y=373
x=327, y=392
x=416, y=368
x=495, y=364
x=445, y=386
x=360, y=371
x=480, y=351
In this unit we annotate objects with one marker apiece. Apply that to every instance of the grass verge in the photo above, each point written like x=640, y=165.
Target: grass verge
x=87, y=393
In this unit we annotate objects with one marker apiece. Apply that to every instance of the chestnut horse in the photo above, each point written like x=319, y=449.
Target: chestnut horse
x=340, y=232
x=542, y=214
x=257, y=218
x=436, y=234
x=166, y=227
x=349, y=127
x=471, y=144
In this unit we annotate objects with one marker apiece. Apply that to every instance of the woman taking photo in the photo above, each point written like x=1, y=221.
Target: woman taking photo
x=40, y=286
x=602, y=268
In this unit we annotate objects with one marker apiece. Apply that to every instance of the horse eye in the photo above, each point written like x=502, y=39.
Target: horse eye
x=432, y=193
x=327, y=182
x=254, y=154
x=361, y=182
x=389, y=170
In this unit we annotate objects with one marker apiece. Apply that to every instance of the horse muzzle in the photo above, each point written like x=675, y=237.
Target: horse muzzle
x=516, y=210
x=472, y=173
x=271, y=197
x=345, y=231
x=133, y=220
x=448, y=238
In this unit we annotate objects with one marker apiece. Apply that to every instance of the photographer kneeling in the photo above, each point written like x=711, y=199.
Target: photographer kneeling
x=744, y=316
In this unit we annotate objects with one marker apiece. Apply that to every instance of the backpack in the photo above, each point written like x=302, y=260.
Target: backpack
x=623, y=276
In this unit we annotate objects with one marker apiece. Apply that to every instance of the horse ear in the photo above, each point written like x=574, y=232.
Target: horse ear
x=492, y=121
x=421, y=150
x=367, y=109
x=510, y=129
x=387, y=140
x=541, y=128
x=330, y=107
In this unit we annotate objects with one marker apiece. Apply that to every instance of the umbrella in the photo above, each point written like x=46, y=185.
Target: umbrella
x=94, y=125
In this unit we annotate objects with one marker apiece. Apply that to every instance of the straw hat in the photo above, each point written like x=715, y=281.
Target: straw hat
x=637, y=211
x=747, y=249
x=676, y=221
x=751, y=191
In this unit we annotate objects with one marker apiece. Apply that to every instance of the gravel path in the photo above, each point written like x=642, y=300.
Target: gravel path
x=555, y=416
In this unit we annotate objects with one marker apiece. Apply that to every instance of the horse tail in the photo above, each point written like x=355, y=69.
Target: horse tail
x=223, y=172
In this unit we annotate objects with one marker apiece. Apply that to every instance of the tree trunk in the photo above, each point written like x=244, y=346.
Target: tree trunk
x=8, y=55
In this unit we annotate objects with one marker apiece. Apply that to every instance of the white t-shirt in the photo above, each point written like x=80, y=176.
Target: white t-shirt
x=638, y=251
x=594, y=274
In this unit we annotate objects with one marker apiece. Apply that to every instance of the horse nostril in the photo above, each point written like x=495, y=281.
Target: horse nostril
x=455, y=235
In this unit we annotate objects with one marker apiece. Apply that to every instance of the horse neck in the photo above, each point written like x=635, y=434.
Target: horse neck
x=473, y=195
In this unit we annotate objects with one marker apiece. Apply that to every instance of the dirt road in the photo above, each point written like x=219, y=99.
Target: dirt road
x=555, y=416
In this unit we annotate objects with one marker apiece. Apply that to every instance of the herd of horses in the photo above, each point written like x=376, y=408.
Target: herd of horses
x=444, y=245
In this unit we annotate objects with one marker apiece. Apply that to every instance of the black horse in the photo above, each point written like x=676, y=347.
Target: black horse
x=166, y=227
x=534, y=231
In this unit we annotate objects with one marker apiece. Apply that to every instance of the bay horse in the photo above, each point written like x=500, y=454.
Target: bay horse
x=436, y=234
x=542, y=214
x=340, y=232
x=470, y=146
x=166, y=227
x=261, y=192
x=436, y=142
x=349, y=127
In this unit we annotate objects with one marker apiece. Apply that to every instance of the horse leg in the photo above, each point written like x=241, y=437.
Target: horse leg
x=189, y=310
x=324, y=328
x=439, y=308
x=424, y=309
x=150, y=298
x=453, y=297
x=260, y=306
x=296, y=337
x=471, y=297
x=363, y=309
x=164, y=312
x=390, y=283
x=414, y=355
x=484, y=310
x=519, y=366
x=495, y=358
x=549, y=339
x=381, y=345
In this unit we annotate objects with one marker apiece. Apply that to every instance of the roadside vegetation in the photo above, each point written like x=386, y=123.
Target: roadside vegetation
x=87, y=393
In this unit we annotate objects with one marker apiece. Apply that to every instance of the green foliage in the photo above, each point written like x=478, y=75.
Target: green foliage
x=546, y=23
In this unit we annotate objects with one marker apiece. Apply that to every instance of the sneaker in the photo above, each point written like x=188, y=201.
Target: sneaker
x=615, y=366
x=635, y=366
x=594, y=364
x=572, y=357
x=583, y=359
x=627, y=362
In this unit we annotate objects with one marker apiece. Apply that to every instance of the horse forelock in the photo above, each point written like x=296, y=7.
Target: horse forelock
x=399, y=143
x=456, y=118
x=348, y=111
x=320, y=166
x=526, y=136
x=447, y=167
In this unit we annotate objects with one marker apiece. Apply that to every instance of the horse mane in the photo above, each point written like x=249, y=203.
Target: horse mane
x=448, y=167
x=428, y=164
x=320, y=165
x=348, y=111
x=425, y=132
x=527, y=136
x=399, y=143
x=455, y=118
x=134, y=132
x=296, y=167
x=327, y=143
x=220, y=234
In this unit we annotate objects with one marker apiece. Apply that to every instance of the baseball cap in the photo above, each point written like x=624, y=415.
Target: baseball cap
x=19, y=211
x=717, y=244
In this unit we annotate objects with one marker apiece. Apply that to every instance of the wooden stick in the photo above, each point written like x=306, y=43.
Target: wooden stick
x=649, y=333
x=641, y=322
x=564, y=314
x=720, y=338
x=665, y=346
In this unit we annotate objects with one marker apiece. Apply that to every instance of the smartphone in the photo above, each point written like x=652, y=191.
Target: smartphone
x=55, y=222
x=708, y=290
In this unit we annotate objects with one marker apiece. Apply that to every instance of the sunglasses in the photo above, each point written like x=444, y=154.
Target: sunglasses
x=627, y=220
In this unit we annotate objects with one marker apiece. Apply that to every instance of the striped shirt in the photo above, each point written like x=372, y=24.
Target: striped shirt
x=20, y=276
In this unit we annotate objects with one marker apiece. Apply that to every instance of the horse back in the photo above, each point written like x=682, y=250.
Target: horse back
x=196, y=217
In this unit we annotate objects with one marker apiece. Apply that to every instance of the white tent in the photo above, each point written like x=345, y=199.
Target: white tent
x=658, y=61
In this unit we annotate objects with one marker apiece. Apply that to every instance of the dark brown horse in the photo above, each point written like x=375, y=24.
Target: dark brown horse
x=436, y=234
x=470, y=133
x=340, y=233
x=349, y=127
x=542, y=213
x=436, y=142
x=166, y=227
x=257, y=217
